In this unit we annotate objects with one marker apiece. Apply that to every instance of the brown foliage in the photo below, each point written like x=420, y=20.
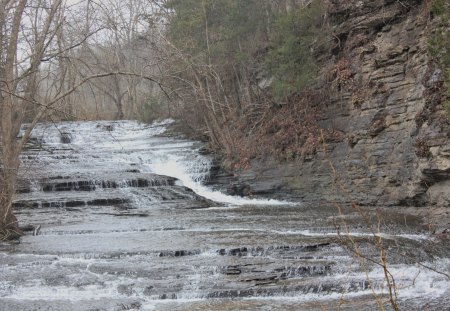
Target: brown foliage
x=342, y=75
x=286, y=132
x=336, y=6
x=422, y=148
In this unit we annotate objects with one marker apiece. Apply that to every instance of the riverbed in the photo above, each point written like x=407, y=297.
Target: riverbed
x=123, y=221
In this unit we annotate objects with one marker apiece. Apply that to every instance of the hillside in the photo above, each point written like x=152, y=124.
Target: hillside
x=377, y=99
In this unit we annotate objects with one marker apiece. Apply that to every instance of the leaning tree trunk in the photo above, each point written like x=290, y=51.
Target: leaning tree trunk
x=11, y=118
x=8, y=177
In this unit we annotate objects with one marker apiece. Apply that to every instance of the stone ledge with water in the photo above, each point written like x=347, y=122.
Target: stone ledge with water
x=127, y=223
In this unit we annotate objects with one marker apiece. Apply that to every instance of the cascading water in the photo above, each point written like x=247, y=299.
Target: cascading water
x=127, y=224
x=192, y=170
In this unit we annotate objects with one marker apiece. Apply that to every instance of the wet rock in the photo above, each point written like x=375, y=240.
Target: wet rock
x=108, y=201
x=27, y=228
x=231, y=270
x=133, y=171
x=313, y=270
x=81, y=185
x=260, y=279
x=444, y=234
x=66, y=138
x=129, y=306
x=149, y=291
x=69, y=209
x=242, y=251
x=23, y=187
x=126, y=214
x=126, y=290
x=74, y=203
x=316, y=246
x=106, y=127
x=240, y=189
x=168, y=296
x=145, y=180
x=179, y=253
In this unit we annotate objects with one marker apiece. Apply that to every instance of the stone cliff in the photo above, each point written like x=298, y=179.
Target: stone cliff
x=395, y=146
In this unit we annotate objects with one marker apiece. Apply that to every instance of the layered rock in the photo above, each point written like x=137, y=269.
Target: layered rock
x=396, y=149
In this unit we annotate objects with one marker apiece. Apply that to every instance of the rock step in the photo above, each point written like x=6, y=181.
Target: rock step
x=92, y=185
x=31, y=204
x=127, y=179
x=274, y=288
x=179, y=196
x=308, y=261
x=262, y=251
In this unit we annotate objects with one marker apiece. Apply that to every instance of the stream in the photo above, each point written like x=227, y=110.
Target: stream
x=126, y=223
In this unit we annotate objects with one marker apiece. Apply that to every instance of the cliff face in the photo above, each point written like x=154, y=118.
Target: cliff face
x=396, y=146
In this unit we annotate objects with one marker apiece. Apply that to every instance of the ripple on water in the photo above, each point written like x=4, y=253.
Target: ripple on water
x=127, y=224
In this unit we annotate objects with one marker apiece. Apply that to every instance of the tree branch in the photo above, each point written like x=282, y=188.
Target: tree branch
x=49, y=105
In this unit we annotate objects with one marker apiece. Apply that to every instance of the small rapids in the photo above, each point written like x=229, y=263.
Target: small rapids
x=127, y=223
x=192, y=172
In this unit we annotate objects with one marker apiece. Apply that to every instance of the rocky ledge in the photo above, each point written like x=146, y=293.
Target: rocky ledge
x=395, y=149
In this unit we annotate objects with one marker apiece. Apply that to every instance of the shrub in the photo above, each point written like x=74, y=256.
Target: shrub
x=439, y=42
x=295, y=38
x=153, y=108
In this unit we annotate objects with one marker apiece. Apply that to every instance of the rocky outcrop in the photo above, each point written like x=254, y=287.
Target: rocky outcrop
x=396, y=149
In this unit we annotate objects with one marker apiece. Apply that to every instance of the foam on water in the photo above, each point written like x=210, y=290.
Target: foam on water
x=411, y=281
x=174, y=158
x=129, y=145
x=192, y=172
x=416, y=237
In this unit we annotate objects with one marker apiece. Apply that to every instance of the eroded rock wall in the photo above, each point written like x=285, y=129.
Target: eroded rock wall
x=396, y=149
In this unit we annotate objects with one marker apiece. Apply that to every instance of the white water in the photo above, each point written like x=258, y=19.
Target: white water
x=426, y=284
x=75, y=251
x=192, y=173
x=192, y=169
x=171, y=157
x=416, y=237
x=411, y=282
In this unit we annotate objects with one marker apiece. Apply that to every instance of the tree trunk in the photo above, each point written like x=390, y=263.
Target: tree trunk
x=118, y=101
x=119, y=114
x=9, y=228
x=10, y=123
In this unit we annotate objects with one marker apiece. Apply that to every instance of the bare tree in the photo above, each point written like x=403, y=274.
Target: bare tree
x=35, y=58
x=122, y=46
x=19, y=85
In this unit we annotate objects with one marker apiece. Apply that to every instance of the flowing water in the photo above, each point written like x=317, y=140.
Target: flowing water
x=127, y=224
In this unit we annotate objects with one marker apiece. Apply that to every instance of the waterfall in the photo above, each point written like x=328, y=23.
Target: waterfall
x=127, y=223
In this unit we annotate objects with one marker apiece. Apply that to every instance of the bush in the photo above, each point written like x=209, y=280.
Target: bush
x=154, y=108
x=295, y=38
x=439, y=42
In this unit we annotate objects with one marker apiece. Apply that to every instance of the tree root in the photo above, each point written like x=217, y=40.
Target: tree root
x=9, y=234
